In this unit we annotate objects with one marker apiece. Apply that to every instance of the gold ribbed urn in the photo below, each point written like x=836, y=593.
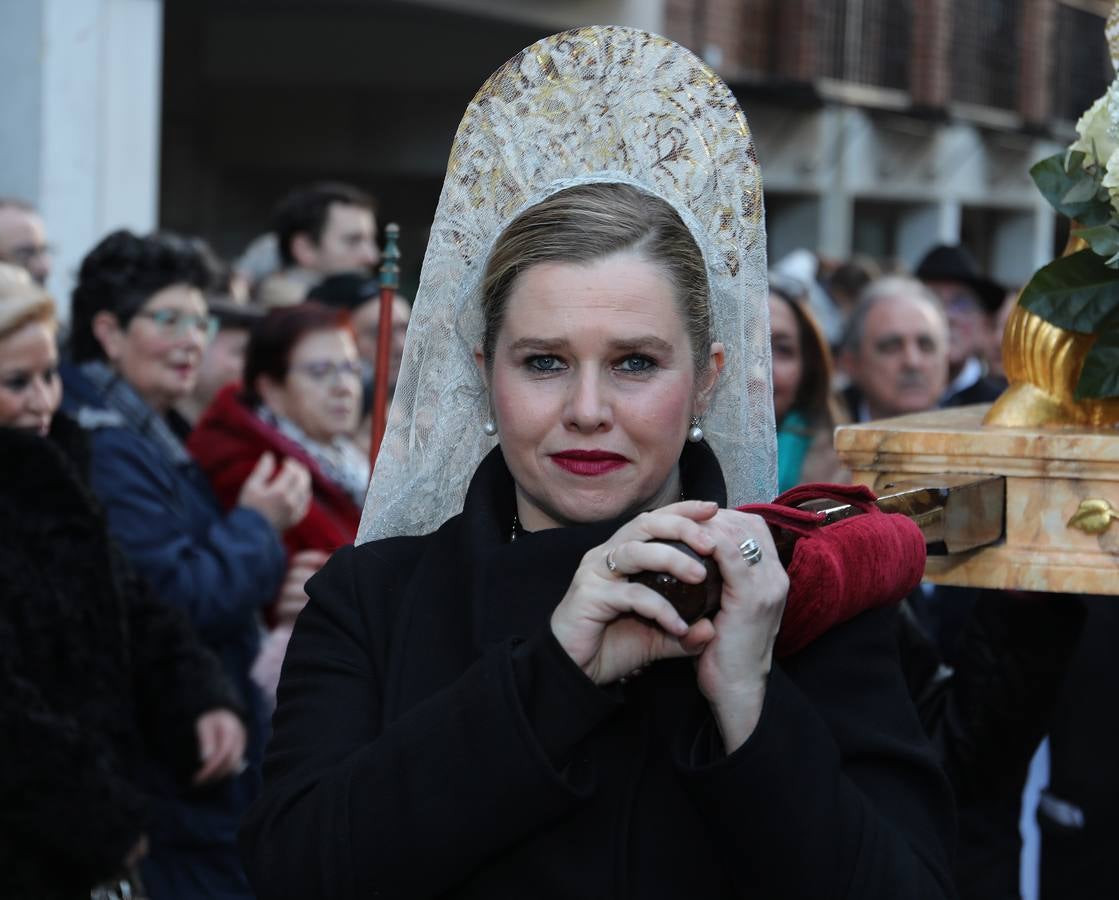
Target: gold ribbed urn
x=1042, y=364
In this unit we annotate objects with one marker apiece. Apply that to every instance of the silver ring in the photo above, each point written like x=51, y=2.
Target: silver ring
x=751, y=551
x=610, y=564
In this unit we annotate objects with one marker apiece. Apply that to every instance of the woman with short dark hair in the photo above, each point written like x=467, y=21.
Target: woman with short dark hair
x=140, y=325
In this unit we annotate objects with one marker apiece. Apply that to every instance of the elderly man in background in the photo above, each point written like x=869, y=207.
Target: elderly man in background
x=23, y=240
x=895, y=350
x=998, y=657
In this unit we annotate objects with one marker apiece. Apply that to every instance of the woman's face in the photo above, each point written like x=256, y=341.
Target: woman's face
x=322, y=391
x=160, y=350
x=788, y=366
x=30, y=389
x=593, y=385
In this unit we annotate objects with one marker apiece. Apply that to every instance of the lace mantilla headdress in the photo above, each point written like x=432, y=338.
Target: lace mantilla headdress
x=600, y=104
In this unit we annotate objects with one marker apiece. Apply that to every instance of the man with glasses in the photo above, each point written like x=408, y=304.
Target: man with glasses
x=23, y=238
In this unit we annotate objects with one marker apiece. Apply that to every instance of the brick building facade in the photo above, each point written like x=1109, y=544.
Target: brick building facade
x=884, y=126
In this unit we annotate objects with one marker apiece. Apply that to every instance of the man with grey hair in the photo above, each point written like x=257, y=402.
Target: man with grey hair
x=895, y=350
x=997, y=658
x=23, y=238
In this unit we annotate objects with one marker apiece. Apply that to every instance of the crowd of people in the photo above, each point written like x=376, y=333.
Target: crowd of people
x=459, y=712
x=210, y=453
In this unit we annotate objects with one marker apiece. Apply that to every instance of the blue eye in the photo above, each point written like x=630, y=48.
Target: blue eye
x=636, y=364
x=544, y=363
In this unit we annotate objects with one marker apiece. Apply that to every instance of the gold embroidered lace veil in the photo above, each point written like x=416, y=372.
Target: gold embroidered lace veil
x=598, y=104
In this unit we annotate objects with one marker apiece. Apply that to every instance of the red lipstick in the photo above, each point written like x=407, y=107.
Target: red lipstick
x=588, y=462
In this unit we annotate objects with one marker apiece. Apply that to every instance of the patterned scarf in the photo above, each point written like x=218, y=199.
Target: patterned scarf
x=340, y=460
x=125, y=408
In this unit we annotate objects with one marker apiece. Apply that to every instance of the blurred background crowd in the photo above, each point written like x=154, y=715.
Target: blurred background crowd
x=191, y=222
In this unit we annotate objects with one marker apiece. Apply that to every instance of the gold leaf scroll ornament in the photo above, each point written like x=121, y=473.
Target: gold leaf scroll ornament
x=1093, y=516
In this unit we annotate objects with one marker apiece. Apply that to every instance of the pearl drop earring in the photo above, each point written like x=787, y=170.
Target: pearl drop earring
x=490, y=427
x=695, y=433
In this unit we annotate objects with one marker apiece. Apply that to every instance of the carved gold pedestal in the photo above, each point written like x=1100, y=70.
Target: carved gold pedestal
x=1062, y=494
x=1043, y=364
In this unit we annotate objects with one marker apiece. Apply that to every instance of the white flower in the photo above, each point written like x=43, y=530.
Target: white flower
x=1099, y=128
x=1111, y=179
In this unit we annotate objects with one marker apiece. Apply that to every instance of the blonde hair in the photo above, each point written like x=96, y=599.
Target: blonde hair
x=22, y=301
x=586, y=223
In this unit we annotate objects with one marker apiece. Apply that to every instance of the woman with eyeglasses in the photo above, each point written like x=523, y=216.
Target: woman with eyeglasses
x=139, y=327
x=301, y=400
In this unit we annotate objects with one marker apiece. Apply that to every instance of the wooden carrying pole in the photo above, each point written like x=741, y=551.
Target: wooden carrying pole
x=390, y=282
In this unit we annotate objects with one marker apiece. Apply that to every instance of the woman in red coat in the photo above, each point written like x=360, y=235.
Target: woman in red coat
x=301, y=398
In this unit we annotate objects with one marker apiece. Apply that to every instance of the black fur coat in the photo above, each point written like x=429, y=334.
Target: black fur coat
x=99, y=681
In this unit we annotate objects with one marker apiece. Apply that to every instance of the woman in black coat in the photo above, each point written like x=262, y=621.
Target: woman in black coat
x=459, y=713
x=106, y=697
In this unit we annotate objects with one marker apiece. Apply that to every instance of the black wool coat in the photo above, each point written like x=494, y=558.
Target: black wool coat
x=432, y=739
x=100, y=683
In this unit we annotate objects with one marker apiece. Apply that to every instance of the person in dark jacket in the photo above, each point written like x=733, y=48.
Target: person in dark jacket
x=971, y=302
x=460, y=713
x=986, y=705
x=1078, y=813
x=108, y=703
x=140, y=324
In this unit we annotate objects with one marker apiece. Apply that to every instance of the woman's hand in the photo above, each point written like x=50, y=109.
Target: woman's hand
x=221, y=745
x=733, y=667
x=611, y=627
x=282, y=497
x=293, y=596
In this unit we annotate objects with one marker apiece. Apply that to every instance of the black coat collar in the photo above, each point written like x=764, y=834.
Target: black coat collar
x=471, y=587
x=516, y=585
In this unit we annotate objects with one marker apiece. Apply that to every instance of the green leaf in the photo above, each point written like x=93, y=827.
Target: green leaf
x=1103, y=239
x=1076, y=292
x=1081, y=191
x=1056, y=182
x=1052, y=179
x=1100, y=375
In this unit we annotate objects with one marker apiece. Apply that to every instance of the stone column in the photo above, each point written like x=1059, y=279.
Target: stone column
x=85, y=91
x=838, y=129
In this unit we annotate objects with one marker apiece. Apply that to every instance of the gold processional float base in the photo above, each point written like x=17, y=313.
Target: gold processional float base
x=1060, y=494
